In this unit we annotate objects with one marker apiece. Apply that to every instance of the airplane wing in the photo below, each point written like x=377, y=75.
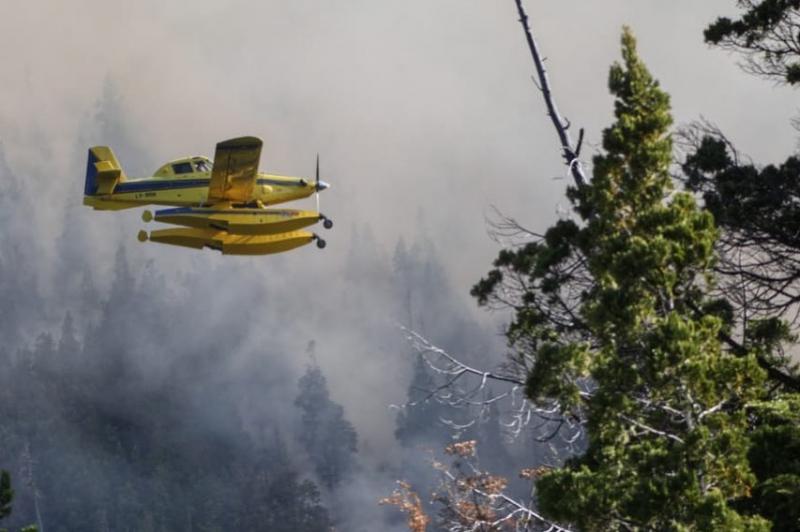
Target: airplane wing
x=233, y=176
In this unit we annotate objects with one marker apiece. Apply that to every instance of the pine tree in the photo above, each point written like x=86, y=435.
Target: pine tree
x=775, y=458
x=756, y=209
x=766, y=33
x=275, y=499
x=6, y=494
x=6, y=498
x=616, y=320
x=329, y=439
x=68, y=344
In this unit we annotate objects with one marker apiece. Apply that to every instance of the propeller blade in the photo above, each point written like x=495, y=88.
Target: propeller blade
x=316, y=185
x=321, y=185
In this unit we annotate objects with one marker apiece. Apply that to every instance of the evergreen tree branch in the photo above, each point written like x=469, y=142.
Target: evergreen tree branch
x=787, y=380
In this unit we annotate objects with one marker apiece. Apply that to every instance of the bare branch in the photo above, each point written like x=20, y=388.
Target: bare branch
x=476, y=500
x=570, y=155
x=651, y=430
x=467, y=388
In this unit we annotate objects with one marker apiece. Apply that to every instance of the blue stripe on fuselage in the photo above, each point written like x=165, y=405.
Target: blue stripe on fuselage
x=147, y=185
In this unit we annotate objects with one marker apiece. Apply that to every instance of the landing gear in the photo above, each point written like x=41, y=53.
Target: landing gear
x=327, y=223
x=321, y=243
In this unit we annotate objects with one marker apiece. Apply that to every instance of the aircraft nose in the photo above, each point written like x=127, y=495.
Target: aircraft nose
x=322, y=185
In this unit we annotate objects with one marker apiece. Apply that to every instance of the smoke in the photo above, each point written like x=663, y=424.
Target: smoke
x=413, y=106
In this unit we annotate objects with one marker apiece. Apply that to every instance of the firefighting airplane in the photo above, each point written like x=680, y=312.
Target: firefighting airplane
x=220, y=204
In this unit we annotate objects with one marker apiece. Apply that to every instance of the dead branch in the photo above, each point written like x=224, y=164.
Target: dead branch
x=562, y=127
x=408, y=502
x=467, y=388
x=475, y=500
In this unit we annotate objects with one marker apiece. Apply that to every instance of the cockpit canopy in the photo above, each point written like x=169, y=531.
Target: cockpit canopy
x=187, y=167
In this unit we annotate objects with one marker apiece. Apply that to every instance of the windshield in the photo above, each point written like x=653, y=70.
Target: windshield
x=202, y=166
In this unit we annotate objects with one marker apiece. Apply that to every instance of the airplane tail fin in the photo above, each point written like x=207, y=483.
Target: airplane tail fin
x=103, y=172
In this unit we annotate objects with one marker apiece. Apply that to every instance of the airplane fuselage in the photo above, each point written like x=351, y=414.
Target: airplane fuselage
x=193, y=190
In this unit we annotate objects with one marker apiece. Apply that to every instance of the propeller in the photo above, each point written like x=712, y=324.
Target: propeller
x=321, y=185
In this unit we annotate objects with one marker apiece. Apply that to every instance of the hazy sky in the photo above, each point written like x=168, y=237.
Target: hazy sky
x=423, y=112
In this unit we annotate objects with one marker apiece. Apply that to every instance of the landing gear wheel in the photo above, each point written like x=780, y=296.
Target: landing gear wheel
x=327, y=223
x=321, y=243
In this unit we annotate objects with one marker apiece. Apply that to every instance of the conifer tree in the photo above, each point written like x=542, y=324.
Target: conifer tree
x=6, y=494
x=756, y=209
x=275, y=499
x=766, y=34
x=6, y=498
x=330, y=440
x=615, y=317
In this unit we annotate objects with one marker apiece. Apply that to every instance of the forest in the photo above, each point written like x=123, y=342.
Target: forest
x=121, y=422
x=646, y=376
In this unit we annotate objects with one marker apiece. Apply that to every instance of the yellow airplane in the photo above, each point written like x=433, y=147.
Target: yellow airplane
x=220, y=204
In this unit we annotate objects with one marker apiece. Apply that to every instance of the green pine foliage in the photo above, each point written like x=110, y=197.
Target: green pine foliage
x=6, y=494
x=610, y=313
x=766, y=33
x=6, y=498
x=774, y=457
x=757, y=212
